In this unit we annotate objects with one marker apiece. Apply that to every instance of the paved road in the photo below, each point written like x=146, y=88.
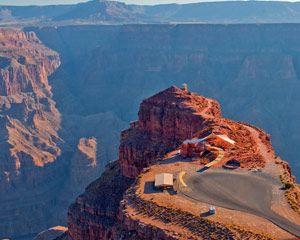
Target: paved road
x=250, y=193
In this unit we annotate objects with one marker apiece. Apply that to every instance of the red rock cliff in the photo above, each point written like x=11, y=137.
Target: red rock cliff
x=25, y=98
x=165, y=120
x=112, y=207
x=25, y=64
x=116, y=206
x=29, y=123
x=46, y=159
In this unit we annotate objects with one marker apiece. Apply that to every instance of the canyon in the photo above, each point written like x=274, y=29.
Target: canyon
x=43, y=165
x=124, y=204
x=252, y=70
x=30, y=123
x=62, y=110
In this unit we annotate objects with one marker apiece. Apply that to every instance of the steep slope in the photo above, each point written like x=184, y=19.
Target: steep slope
x=26, y=92
x=123, y=204
x=122, y=65
x=46, y=159
x=30, y=124
x=162, y=127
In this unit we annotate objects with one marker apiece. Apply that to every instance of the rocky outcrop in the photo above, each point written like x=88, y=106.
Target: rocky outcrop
x=229, y=68
x=30, y=124
x=47, y=158
x=121, y=205
x=94, y=214
x=84, y=165
x=28, y=114
x=165, y=115
x=29, y=119
x=165, y=120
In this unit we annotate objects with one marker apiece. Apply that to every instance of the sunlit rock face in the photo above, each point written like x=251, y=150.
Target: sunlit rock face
x=252, y=70
x=29, y=118
x=30, y=124
x=46, y=159
x=165, y=121
x=115, y=207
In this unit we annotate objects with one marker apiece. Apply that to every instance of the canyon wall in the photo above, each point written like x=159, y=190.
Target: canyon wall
x=162, y=126
x=60, y=125
x=45, y=159
x=30, y=139
x=253, y=70
x=118, y=205
x=55, y=128
x=165, y=120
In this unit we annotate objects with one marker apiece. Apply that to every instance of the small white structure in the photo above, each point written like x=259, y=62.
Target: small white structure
x=194, y=140
x=212, y=210
x=226, y=138
x=185, y=87
x=163, y=180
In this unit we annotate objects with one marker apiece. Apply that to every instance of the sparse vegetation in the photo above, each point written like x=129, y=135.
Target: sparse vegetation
x=292, y=189
x=288, y=185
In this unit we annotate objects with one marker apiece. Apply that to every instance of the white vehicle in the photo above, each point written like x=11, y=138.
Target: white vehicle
x=212, y=210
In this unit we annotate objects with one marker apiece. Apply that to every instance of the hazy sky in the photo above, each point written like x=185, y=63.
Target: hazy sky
x=47, y=2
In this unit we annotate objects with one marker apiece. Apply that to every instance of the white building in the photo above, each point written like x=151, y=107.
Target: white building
x=163, y=180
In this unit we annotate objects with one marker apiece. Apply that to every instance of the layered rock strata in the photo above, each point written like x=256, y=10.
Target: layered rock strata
x=43, y=165
x=115, y=206
x=30, y=124
x=165, y=120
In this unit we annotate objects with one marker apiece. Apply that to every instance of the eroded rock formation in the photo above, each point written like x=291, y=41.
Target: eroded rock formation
x=115, y=207
x=124, y=64
x=165, y=120
x=27, y=110
x=30, y=124
x=46, y=159
x=84, y=158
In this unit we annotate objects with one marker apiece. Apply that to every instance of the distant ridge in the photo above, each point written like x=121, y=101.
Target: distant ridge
x=113, y=12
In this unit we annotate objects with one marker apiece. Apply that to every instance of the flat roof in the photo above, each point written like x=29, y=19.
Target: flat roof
x=164, y=180
x=226, y=139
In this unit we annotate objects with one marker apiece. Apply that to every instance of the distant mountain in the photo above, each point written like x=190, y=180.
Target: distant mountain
x=110, y=11
x=113, y=12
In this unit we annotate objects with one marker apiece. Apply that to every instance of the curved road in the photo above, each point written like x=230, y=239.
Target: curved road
x=246, y=192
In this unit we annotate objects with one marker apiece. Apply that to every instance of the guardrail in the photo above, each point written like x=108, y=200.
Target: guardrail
x=218, y=158
x=180, y=177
